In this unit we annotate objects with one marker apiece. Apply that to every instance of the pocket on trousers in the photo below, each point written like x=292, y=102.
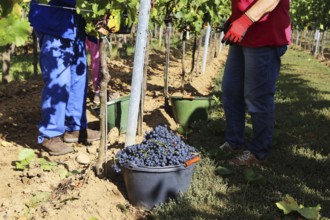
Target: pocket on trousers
x=281, y=50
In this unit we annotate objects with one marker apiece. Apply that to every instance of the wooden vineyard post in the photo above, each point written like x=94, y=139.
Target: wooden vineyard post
x=193, y=57
x=168, y=22
x=183, y=71
x=200, y=41
x=103, y=104
x=6, y=65
x=35, y=53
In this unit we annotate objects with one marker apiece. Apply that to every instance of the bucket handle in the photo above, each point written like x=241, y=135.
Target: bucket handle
x=192, y=161
x=188, y=97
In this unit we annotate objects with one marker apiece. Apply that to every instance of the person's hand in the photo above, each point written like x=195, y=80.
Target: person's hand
x=225, y=26
x=237, y=30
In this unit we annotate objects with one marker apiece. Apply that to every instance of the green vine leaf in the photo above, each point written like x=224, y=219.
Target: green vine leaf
x=39, y=198
x=46, y=165
x=223, y=171
x=14, y=30
x=252, y=177
x=310, y=212
x=26, y=154
x=289, y=205
x=63, y=173
x=20, y=166
x=25, y=157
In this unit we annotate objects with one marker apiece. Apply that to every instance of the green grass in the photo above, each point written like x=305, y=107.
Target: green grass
x=299, y=164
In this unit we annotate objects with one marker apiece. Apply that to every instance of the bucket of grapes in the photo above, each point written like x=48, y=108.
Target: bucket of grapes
x=157, y=169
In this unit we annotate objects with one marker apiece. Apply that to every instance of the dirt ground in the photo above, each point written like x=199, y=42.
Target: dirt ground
x=38, y=194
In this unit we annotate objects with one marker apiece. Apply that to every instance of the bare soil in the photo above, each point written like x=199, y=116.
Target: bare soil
x=38, y=194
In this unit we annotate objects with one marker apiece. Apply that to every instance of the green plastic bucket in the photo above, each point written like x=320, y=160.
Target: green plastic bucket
x=148, y=187
x=117, y=113
x=188, y=109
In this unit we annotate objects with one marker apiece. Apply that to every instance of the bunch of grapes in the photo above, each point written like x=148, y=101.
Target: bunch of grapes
x=161, y=147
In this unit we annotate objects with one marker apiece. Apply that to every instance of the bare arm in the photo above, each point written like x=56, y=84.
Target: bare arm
x=260, y=8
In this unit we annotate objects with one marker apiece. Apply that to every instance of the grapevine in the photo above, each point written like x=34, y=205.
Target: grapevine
x=311, y=14
x=14, y=28
x=103, y=17
x=306, y=13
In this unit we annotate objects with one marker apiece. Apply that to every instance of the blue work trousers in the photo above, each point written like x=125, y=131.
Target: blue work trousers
x=249, y=85
x=63, y=99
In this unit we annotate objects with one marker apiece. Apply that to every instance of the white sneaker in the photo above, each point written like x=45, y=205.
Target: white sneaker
x=226, y=147
x=245, y=159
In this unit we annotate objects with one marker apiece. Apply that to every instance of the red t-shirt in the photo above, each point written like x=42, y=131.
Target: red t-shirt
x=273, y=29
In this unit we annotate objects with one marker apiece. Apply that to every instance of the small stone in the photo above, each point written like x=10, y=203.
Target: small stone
x=5, y=144
x=33, y=173
x=26, y=180
x=113, y=135
x=83, y=159
x=92, y=149
x=44, y=154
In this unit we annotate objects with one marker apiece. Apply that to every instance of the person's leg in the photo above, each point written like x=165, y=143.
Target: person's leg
x=55, y=58
x=95, y=64
x=262, y=67
x=87, y=43
x=75, y=115
x=233, y=97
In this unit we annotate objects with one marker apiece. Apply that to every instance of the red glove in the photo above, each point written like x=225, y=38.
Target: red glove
x=225, y=26
x=237, y=30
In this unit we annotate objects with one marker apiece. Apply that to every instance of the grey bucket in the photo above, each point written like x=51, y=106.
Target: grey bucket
x=148, y=187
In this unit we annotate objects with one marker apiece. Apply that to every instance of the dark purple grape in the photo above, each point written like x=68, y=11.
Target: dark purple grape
x=160, y=147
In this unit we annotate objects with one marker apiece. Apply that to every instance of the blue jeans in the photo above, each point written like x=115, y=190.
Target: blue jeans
x=63, y=99
x=249, y=84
